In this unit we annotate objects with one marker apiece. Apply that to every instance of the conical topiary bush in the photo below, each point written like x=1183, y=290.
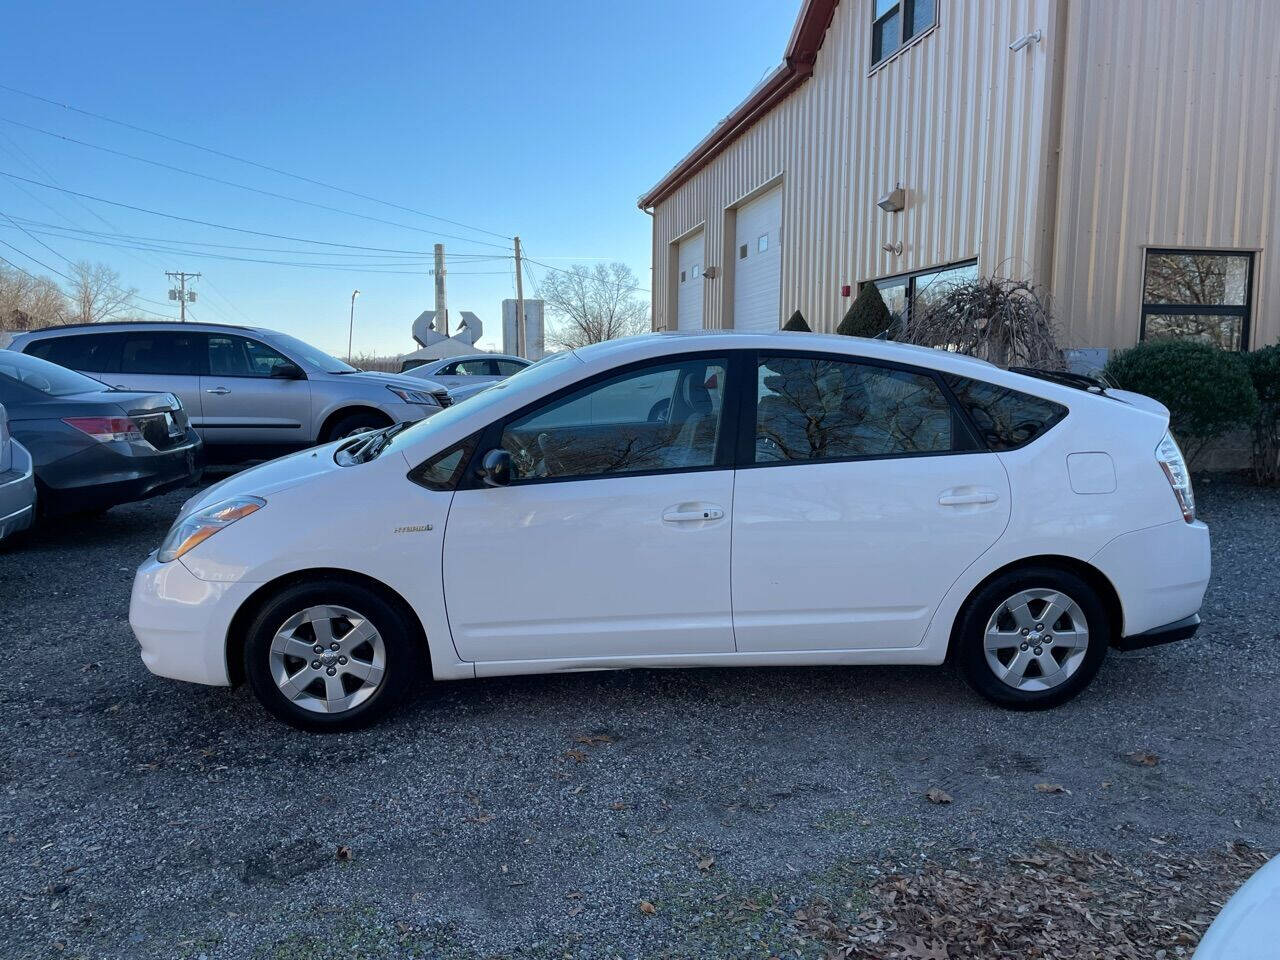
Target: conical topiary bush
x=868, y=316
x=797, y=323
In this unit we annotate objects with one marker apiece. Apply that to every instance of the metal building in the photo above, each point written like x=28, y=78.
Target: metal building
x=1124, y=155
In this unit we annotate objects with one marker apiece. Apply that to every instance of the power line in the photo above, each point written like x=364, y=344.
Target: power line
x=242, y=186
x=252, y=163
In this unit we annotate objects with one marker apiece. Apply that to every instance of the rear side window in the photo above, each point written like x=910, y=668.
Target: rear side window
x=1006, y=419
x=91, y=352
x=162, y=351
x=507, y=368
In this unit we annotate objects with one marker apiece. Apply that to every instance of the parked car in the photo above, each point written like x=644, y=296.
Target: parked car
x=249, y=391
x=17, y=482
x=804, y=499
x=1248, y=927
x=455, y=372
x=94, y=447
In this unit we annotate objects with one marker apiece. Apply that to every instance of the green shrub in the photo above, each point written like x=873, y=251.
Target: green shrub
x=797, y=322
x=1207, y=390
x=1264, y=370
x=867, y=316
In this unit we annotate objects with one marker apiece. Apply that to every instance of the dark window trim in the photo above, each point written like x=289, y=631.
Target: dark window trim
x=911, y=278
x=746, y=458
x=903, y=8
x=725, y=454
x=1244, y=311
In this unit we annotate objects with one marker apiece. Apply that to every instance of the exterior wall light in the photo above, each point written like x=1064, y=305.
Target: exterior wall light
x=893, y=201
x=894, y=248
x=1026, y=40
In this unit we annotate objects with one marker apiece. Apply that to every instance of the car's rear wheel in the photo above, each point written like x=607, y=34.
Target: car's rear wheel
x=1033, y=638
x=330, y=655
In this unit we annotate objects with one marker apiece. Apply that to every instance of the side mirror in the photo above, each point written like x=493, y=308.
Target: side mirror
x=287, y=371
x=495, y=468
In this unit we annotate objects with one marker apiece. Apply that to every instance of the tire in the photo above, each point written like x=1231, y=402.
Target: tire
x=353, y=423
x=377, y=657
x=1013, y=608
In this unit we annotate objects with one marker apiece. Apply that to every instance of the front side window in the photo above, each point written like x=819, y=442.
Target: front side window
x=1006, y=419
x=897, y=21
x=162, y=351
x=661, y=417
x=1197, y=295
x=476, y=367
x=93, y=352
x=232, y=356
x=811, y=409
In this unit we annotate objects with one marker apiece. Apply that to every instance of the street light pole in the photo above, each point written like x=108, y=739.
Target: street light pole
x=351, y=324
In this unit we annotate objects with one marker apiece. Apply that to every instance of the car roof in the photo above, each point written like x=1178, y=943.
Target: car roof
x=116, y=326
x=474, y=356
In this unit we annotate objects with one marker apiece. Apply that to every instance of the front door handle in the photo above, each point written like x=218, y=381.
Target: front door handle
x=218, y=391
x=691, y=515
x=963, y=499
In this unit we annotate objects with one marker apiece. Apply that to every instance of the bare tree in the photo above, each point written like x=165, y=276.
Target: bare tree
x=96, y=293
x=28, y=302
x=593, y=304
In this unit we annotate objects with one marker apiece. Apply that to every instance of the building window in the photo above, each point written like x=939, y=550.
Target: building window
x=896, y=22
x=696, y=272
x=762, y=243
x=906, y=291
x=1197, y=295
x=742, y=252
x=682, y=276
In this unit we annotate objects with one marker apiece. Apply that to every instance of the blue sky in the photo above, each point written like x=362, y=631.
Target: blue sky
x=546, y=120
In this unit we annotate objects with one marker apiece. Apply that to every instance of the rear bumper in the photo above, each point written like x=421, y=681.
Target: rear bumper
x=108, y=474
x=1160, y=575
x=1183, y=629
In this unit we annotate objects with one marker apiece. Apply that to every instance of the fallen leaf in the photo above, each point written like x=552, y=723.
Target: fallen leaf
x=594, y=739
x=938, y=796
x=480, y=818
x=345, y=854
x=1051, y=788
x=619, y=805
x=577, y=756
x=647, y=907
x=706, y=863
x=1142, y=758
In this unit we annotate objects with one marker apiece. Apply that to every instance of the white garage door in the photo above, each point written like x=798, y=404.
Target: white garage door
x=757, y=274
x=689, y=296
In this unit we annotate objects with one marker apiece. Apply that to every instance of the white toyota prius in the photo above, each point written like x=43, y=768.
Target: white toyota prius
x=684, y=500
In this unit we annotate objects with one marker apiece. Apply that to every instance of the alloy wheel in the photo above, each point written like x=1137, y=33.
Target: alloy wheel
x=1036, y=639
x=328, y=659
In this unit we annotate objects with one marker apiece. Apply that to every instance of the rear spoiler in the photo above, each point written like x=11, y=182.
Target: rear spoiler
x=1079, y=381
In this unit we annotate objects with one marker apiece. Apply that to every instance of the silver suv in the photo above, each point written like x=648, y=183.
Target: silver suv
x=245, y=389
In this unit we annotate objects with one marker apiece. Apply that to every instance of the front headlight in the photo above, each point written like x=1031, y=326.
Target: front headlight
x=414, y=396
x=187, y=532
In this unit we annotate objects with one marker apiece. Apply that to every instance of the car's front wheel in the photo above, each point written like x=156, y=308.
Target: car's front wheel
x=330, y=655
x=1033, y=638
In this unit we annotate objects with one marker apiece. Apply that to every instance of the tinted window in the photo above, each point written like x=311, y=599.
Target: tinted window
x=507, y=368
x=1006, y=419
x=162, y=351
x=48, y=378
x=818, y=409
x=664, y=417
x=96, y=352
x=232, y=356
x=473, y=368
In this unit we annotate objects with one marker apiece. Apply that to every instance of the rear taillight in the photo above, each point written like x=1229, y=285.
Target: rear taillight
x=106, y=429
x=1175, y=468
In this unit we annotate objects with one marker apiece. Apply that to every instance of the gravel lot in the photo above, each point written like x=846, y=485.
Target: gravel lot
x=593, y=815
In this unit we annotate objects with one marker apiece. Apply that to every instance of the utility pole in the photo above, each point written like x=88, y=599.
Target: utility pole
x=521, y=349
x=351, y=322
x=180, y=292
x=442, y=299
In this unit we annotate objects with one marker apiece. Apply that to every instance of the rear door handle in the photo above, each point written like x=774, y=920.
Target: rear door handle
x=218, y=391
x=962, y=499
x=690, y=516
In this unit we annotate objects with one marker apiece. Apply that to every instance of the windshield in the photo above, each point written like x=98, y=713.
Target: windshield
x=312, y=355
x=48, y=378
x=528, y=379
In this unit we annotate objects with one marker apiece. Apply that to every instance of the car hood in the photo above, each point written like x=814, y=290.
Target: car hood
x=393, y=380
x=267, y=478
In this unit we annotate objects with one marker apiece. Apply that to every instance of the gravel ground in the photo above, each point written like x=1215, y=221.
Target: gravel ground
x=630, y=814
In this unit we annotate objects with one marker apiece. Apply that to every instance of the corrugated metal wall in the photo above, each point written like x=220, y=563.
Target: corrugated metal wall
x=1170, y=137
x=955, y=118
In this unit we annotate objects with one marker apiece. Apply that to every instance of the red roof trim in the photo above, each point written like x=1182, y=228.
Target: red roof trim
x=797, y=66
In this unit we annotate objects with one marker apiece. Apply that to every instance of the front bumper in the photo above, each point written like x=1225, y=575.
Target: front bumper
x=181, y=621
x=107, y=474
x=17, y=493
